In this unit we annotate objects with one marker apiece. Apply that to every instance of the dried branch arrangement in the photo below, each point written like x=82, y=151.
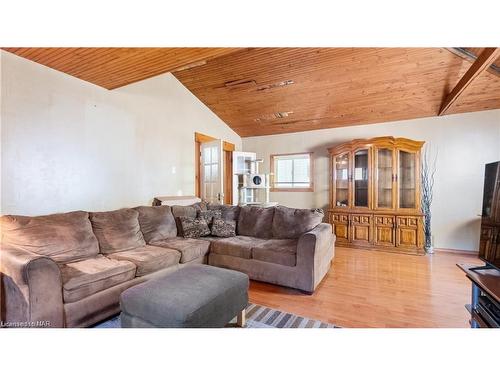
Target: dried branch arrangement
x=427, y=180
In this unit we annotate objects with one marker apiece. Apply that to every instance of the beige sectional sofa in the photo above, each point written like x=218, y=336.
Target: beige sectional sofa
x=69, y=269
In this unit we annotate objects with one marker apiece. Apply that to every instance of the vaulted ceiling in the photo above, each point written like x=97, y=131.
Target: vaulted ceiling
x=116, y=67
x=261, y=91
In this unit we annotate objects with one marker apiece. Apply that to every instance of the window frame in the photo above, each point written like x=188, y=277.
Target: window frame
x=293, y=189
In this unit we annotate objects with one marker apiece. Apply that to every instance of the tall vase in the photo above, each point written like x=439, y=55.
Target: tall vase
x=428, y=246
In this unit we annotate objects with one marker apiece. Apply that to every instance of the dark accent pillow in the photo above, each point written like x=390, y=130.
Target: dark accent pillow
x=228, y=212
x=209, y=215
x=223, y=228
x=193, y=227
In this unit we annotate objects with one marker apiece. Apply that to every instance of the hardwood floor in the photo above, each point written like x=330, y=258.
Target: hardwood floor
x=374, y=289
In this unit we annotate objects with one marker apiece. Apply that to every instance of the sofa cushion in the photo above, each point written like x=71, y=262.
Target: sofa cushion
x=156, y=222
x=210, y=238
x=256, y=222
x=277, y=251
x=223, y=228
x=189, y=211
x=194, y=228
x=293, y=222
x=63, y=237
x=117, y=230
x=189, y=248
x=86, y=277
x=239, y=246
x=148, y=258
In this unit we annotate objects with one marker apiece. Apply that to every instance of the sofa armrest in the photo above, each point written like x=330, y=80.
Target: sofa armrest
x=315, y=251
x=30, y=290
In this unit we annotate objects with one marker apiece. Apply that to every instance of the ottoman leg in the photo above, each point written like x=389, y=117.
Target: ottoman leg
x=241, y=318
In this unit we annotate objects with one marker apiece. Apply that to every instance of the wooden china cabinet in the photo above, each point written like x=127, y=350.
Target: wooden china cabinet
x=375, y=194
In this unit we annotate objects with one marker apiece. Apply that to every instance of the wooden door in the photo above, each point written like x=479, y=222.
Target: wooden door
x=361, y=229
x=408, y=231
x=384, y=232
x=340, y=224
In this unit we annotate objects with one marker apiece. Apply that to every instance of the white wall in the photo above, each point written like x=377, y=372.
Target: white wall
x=464, y=144
x=67, y=144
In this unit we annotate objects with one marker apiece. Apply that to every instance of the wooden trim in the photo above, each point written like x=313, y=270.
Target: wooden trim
x=228, y=177
x=483, y=62
x=297, y=190
x=471, y=57
x=203, y=138
x=456, y=251
x=292, y=190
x=227, y=146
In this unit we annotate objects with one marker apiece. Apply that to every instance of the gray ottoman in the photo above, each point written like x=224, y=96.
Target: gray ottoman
x=194, y=296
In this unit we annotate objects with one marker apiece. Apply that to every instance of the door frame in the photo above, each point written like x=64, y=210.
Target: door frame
x=227, y=149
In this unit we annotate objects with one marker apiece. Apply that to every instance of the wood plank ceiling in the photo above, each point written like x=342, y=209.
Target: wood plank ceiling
x=116, y=67
x=261, y=91
x=280, y=90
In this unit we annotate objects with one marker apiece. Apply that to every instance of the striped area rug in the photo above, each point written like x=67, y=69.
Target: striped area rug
x=265, y=317
x=257, y=317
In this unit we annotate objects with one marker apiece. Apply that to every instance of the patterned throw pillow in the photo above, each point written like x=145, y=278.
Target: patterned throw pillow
x=223, y=228
x=209, y=215
x=194, y=228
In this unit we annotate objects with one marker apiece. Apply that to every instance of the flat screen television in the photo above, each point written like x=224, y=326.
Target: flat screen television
x=489, y=243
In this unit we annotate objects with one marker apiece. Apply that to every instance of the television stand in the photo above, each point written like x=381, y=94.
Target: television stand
x=484, y=308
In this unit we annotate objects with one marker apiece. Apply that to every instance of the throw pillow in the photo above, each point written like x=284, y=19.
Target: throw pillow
x=194, y=227
x=223, y=228
x=209, y=215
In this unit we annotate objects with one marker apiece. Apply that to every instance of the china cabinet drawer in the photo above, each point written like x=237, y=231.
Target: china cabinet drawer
x=407, y=221
x=386, y=221
x=361, y=219
x=340, y=218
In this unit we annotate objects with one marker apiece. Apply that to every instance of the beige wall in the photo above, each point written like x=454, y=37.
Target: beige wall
x=464, y=144
x=68, y=144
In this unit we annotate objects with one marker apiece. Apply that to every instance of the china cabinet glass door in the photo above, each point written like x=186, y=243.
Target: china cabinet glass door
x=407, y=170
x=385, y=174
x=342, y=180
x=361, y=178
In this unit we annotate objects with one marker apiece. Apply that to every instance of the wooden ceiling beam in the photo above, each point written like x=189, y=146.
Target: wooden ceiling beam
x=483, y=62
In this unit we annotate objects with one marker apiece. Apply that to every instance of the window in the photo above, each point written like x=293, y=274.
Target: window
x=292, y=172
